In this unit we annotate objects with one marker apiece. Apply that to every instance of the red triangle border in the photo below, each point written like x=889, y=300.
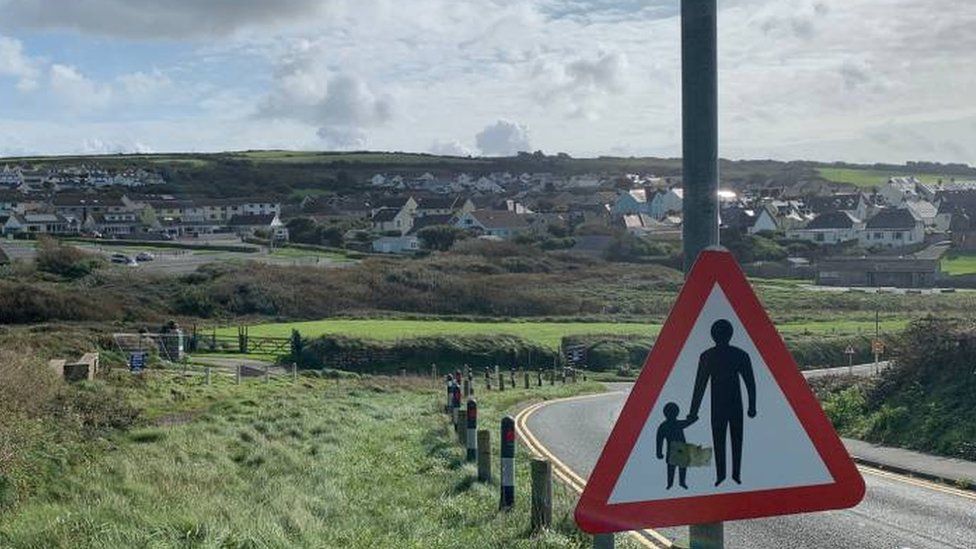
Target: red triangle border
x=593, y=513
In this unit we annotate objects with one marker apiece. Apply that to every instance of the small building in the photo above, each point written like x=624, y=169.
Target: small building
x=396, y=244
x=878, y=271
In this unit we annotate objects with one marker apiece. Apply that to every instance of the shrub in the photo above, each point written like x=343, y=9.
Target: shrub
x=67, y=261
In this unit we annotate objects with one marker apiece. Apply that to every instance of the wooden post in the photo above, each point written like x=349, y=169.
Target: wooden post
x=208, y=375
x=461, y=427
x=484, y=455
x=294, y=372
x=467, y=388
x=501, y=382
x=707, y=536
x=541, y=494
x=267, y=374
x=538, y=374
x=237, y=376
x=603, y=541
x=433, y=371
x=526, y=376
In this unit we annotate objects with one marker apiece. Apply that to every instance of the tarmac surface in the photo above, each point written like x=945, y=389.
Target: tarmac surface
x=897, y=512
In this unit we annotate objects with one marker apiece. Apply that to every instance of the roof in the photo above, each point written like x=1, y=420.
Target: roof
x=430, y=221
x=823, y=204
x=385, y=215
x=262, y=220
x=893, y=219
x=923, y=209
x=396, y=202
x=832, y=220
x=499, y=219
x=86, y=200
x=438, y=202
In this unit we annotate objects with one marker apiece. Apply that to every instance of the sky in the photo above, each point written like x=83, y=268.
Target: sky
x=831, y=80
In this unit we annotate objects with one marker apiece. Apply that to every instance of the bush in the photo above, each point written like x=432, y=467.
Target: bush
x=67, y=261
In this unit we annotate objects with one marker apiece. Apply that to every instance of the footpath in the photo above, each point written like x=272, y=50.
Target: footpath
x=958, y=472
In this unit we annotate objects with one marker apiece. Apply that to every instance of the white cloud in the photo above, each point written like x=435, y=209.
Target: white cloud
x=450, y=148
x=14, y=62
x=342, y=105
x=94, y=145
x=503, y=138
x=76, y=90
x=581, y=85
x=144, y=86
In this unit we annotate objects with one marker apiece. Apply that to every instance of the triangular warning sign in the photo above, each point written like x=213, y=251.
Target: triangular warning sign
x=720, y=425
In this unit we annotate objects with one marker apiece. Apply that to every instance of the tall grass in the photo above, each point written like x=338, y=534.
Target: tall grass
x=354, y=463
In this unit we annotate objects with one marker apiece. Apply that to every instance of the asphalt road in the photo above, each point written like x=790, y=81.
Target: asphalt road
x=895, y=513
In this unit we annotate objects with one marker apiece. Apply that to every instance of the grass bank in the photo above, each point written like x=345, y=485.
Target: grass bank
x=361, y=462
x=549, y=334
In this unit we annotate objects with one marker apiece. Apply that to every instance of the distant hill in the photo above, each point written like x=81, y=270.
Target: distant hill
x=288, y=173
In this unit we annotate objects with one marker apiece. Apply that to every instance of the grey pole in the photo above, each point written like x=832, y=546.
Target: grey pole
x=699, y=116
x=699, y=120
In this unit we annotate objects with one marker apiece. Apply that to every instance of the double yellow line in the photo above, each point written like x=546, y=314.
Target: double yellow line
x=648, y=538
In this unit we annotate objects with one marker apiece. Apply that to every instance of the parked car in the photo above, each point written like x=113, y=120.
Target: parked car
x=122, y=259
x=145, y=256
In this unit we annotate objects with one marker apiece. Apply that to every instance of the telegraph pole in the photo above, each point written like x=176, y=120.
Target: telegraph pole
x=699, y=120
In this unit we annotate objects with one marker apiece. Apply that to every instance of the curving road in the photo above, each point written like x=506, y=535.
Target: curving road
x=897, y=512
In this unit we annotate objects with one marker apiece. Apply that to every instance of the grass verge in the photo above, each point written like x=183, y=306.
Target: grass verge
x=356, y=463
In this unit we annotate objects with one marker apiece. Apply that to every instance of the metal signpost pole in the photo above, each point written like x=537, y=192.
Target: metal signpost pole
x=699, y=118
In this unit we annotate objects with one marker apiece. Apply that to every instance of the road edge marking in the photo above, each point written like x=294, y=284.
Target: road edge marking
x=648, y=537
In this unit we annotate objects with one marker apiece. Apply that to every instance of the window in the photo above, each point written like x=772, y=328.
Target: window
x=878, y=236
x=819, y=237
x=899, y=235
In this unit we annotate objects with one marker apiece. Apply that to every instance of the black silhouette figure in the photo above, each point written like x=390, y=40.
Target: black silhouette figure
x=672, y=430
x=722, y=366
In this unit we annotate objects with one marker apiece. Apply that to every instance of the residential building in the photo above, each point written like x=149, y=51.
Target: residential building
x=392, y=220
x=899, y=190
x=828, y=228
x=857, y=204
x=251, y=225
x=396, y=244
x=634, y=202
x=667, y=202
x=892, y=227
x=500, y=223
x=39, y=223
x=113, y=223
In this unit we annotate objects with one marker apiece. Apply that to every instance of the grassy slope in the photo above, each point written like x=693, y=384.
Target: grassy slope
x=545, y=333
x=320, y=464
x=869, y=177
x=959, y=264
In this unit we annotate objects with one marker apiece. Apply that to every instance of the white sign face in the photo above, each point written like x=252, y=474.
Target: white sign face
x=768, y=451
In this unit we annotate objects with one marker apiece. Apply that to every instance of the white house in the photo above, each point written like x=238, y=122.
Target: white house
x=39, y=223
x=765, y=220
x=396, y=244
x=499, y=223
x=392, y=220
x=892, y=228
x=249, y=225
x=828, y=228
x=11, y=177
x=898, y=190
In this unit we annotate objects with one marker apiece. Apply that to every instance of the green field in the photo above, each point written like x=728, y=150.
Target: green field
x=868, y=177
x=959, y=264
x=549, y=334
